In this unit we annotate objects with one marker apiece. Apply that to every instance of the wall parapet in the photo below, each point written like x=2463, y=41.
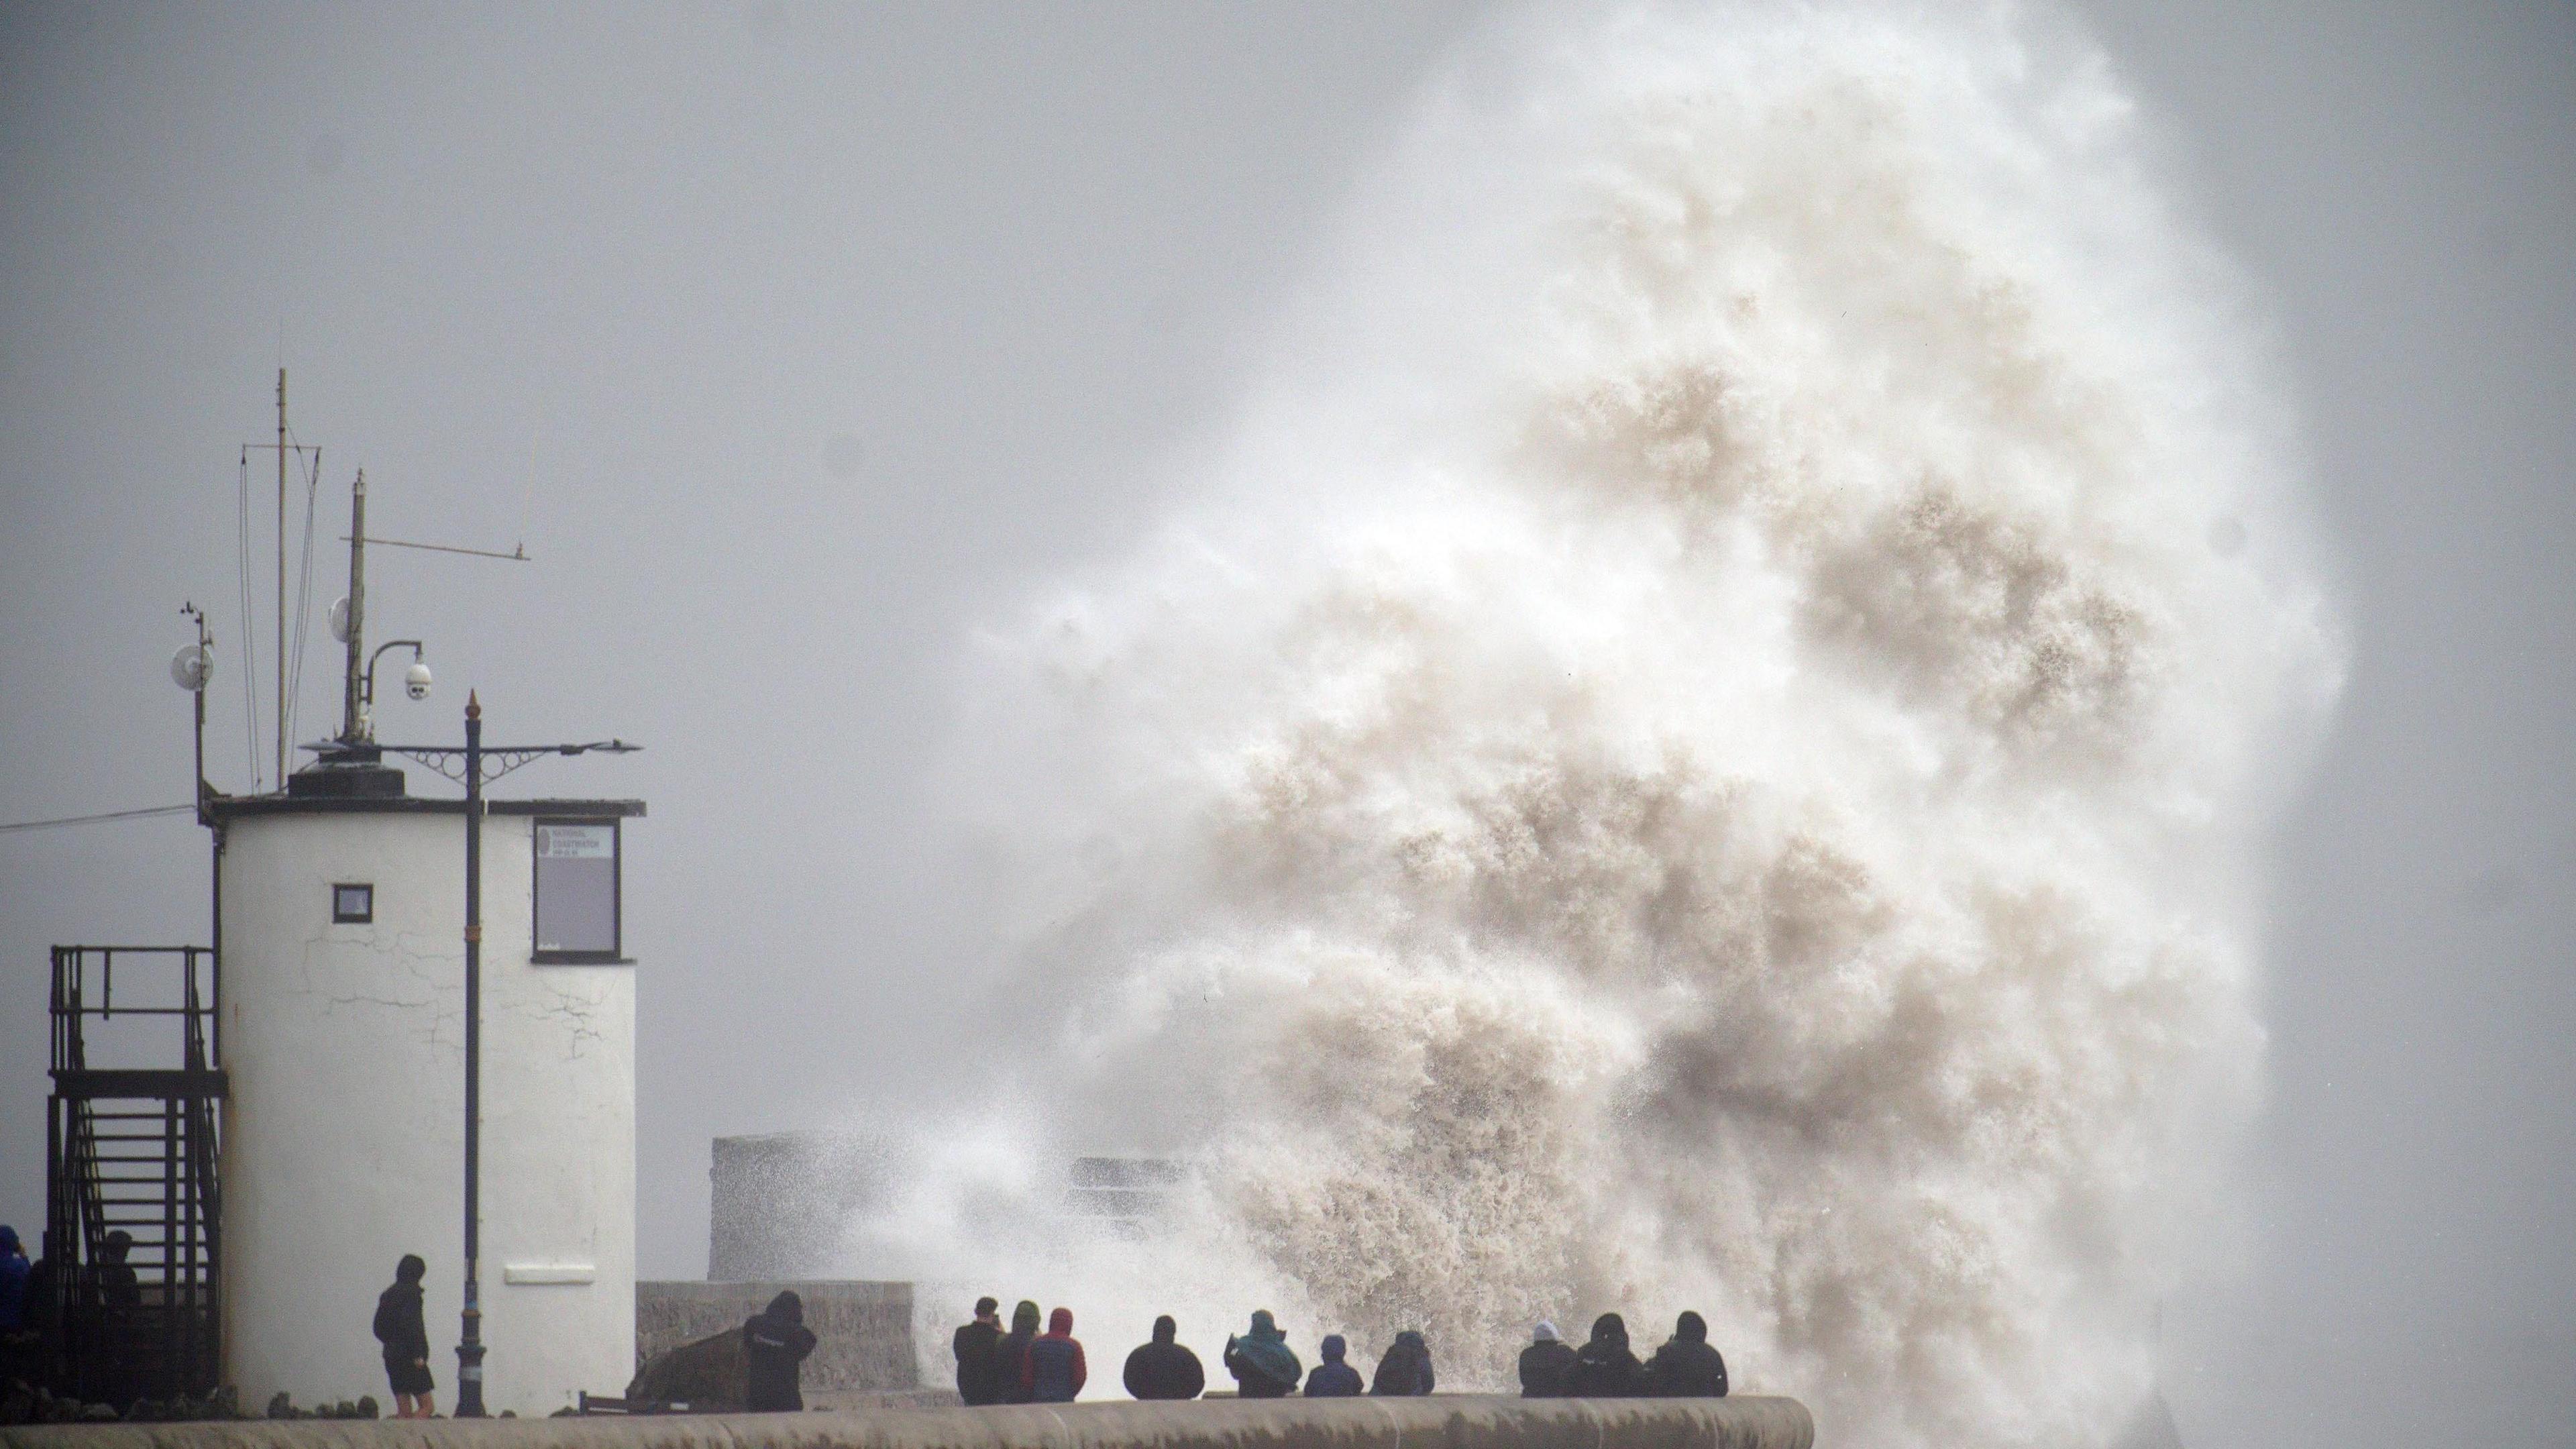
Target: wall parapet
x=1443, y=1421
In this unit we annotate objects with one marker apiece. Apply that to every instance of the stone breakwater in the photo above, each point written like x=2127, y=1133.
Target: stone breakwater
x=1441, y=1422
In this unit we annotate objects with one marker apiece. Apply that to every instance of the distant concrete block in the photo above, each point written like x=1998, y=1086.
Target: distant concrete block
x=863, y=1331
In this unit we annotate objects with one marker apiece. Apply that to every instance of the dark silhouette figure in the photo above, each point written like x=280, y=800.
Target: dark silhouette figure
x=1056, y=1371
x=1164, y=1368
x=1604, y=1368
x=1011, y=1355
x=978, y=1382
x=1545, y=1364
x=1263, y=1365
x=1333, y=1379
x=406, y=1341
x=117, y=1285
x=14, y=1272
x=775, y=1342
x=1687, y=1367
x=1404, y=1370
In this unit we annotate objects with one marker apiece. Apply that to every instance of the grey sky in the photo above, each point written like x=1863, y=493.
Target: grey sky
x=795, y=342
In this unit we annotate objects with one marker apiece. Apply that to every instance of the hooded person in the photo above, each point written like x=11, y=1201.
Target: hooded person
x=775, y=1342
x=117, y=1285
x=1263, y=1365
x=1545, y=1363
x=1333, y=1379
x=1687, y=1366
x=978, y=1381
x=14, y=1272
x=405, y=1339
x=1164, y=1368
x=1055, y=1371
x=1011, y=1355
x=1604, y=1368
x=1404, y=1370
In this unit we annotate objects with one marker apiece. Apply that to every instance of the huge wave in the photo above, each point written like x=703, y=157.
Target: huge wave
x=1703, y=741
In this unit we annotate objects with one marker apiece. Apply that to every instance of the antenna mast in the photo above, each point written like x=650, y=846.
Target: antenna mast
x=357, y=606
x=281, y=578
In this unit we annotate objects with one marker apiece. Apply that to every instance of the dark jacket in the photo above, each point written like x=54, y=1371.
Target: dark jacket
x=1604, y=1368
x=1544, y=1366
x=1055, y=1371
x=1164, y=1369
x=1687, y=1367
x=1333, y=1379
x=14, y=1272
x=398, y=1324
x=1405, y=1369
x=978, y=1381
x=1011, y=1355
x=774, y=1343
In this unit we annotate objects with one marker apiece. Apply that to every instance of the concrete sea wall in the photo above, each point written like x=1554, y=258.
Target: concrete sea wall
x=1449, y=1421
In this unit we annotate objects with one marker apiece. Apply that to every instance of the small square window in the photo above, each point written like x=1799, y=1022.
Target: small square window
x=353, y=904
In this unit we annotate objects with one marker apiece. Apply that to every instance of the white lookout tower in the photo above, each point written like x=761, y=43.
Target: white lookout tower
x=355, y=1012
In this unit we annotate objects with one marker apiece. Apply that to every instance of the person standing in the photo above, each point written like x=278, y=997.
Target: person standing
x=978, y=1381
x=405, y=1339
x=1404, y=1370
x=14, y=1272
x=1333, y=1379
x=1687, y=1366
x=1604, y=1368
x=1011, y=1355
x=775, y=1342
x=1263, y=1365
x=1056, y=1371
x=1164, y=1368
x=1545, y=1364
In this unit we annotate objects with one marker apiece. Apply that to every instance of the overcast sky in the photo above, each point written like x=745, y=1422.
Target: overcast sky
x=795, y=343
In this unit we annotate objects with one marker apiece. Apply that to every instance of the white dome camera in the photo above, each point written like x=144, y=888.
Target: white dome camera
x=416, y=680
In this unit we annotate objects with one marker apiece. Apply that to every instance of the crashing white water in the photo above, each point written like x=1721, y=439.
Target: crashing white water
x=1703, y=744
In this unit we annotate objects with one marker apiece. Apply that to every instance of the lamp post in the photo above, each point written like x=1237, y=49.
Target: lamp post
x=469, y=1350
x=445, y=759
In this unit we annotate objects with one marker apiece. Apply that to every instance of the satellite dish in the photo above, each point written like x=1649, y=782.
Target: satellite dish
x=191, y=667
x=340, y=621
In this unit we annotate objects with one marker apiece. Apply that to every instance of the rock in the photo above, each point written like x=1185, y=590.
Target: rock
x=711, y=1376
x=368, y=1408
x=147, y=1411
x=224, y=1403
x=98, y=1413
x=280, y=1406
x=344, y=1410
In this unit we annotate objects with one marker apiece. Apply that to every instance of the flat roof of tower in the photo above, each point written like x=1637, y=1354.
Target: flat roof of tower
x=235, y=807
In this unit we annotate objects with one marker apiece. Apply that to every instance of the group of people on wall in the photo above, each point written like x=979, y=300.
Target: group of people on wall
x=1021, y=1365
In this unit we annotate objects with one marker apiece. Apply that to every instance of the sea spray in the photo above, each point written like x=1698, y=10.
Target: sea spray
x=1703, y=745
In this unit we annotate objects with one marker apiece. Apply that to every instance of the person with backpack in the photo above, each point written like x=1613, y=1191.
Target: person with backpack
x=1054, y=1371
x=1333, y=1379
x=1687, y=1367
x=775, y=1342
x=1404, y=1371
x=1545, y=1363
x=1263, y=1365
x=1164, y=1368
x=405, y=1340
x=1604, y=1368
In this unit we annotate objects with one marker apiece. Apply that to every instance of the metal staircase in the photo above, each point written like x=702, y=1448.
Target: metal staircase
x=132, y=1201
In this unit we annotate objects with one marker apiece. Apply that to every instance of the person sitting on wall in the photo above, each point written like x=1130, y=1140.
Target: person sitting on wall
x=1056, y=1370
x=1164, y=1368
x=1333, y=1379
x=1687, y=1367
x=1011, y=1355
x=775, y=1342
x=1604, y=1368
x=978, y=1382
x=1263, y=1365
x=1404, y=1370
x=1545, y=1363
x=406, y=1342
